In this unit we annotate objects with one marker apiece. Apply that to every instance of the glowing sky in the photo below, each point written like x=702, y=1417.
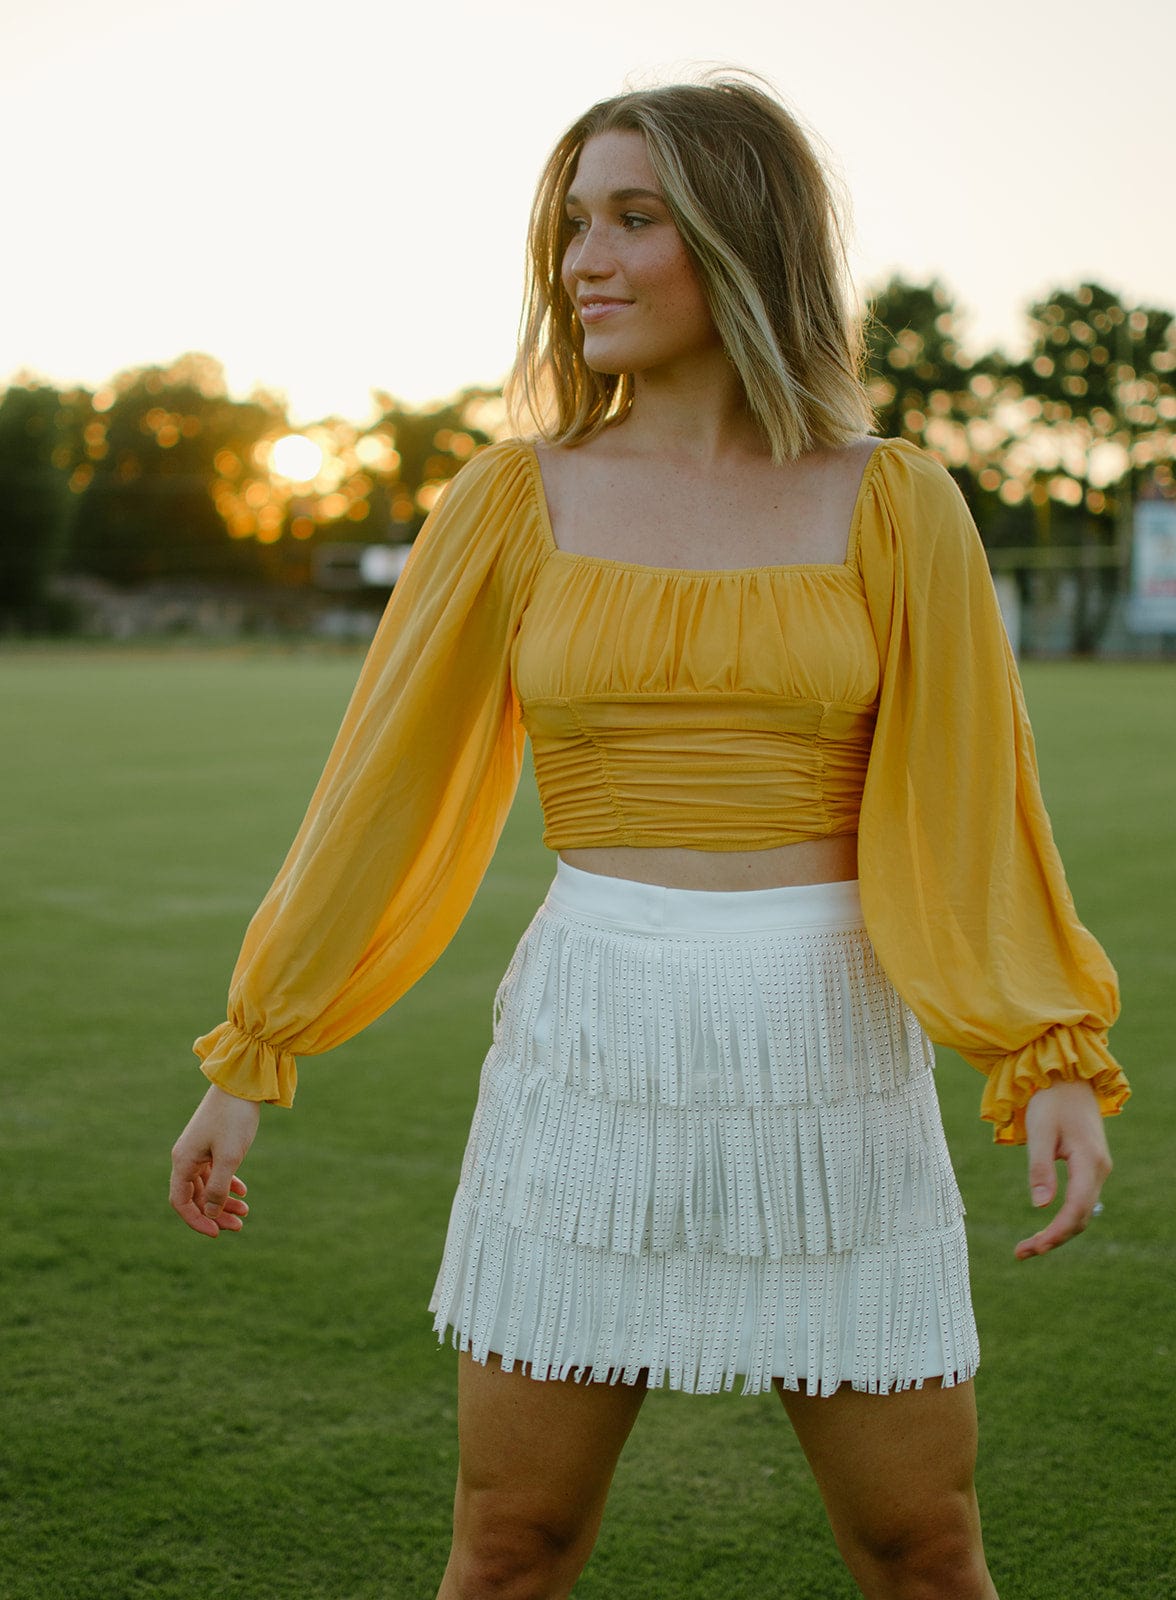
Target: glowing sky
x=331, y=198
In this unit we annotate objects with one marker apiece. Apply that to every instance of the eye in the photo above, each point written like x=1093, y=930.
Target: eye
x=575, y=224
x=633, y=220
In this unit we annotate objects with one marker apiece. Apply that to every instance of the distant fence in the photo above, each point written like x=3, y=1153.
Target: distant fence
x=1073, y=600
x=1055, y=602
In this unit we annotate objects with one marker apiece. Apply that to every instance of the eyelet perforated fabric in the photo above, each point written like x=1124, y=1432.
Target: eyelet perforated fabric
x=707, y=1146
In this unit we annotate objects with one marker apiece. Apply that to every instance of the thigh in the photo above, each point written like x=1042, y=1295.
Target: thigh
x=539, y=1451
x=892, y=1468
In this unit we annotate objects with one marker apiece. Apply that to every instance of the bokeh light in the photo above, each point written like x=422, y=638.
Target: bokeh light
x=296, y=457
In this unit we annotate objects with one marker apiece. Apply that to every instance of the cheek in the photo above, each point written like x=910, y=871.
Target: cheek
x=679, y=280
x=689, y=296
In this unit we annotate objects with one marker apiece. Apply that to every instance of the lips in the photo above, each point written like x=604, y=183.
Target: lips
x=595, y=308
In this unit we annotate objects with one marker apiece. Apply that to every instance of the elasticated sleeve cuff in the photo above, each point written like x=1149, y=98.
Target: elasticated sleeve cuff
x=1061, y=1055
x=251, y=1068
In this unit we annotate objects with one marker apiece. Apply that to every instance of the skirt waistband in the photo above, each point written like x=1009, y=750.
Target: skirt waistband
x=622, y=902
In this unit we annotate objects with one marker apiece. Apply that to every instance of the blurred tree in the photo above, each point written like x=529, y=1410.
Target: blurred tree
x=927, y=388
x=1103, y=373
x=1099, y=406
x=918, y=371
x=39, y=444
x=150, y=448
x=429, y=447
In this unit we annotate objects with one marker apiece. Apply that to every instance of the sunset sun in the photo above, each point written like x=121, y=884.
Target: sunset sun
x=296, y=457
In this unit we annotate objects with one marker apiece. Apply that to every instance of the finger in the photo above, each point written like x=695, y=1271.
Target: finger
x=225, y=1222
x=1063, y=1227
x=1043, y=1176
x=187, y=1201
x=216, y=1188
x=1082, y=1191
x=184, y=1202
x=236, y=1186
x=187, y=1180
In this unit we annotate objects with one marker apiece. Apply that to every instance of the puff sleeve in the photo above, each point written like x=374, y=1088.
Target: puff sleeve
x=405, y=817
x=963, y=891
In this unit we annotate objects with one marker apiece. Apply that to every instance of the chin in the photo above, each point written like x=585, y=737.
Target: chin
x=616, y=361
x=604, y=361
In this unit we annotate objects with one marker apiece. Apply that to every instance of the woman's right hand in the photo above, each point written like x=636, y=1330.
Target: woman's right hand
x=206, y=1192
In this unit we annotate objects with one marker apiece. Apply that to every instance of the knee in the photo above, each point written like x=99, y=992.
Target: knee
x=508, y=1555
x=930, y=1559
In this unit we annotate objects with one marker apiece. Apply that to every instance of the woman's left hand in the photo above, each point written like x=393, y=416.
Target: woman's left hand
x=1064, y=1123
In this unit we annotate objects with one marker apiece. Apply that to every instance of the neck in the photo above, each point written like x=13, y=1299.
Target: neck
x=695, y=413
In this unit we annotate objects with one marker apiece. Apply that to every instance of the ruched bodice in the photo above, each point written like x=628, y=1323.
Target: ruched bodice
x=719, y=711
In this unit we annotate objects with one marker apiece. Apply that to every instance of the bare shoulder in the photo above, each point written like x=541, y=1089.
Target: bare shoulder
x=556, y=465
x=860, y=454
x=859, y=449
x=834, y=474
x=570, y=471
x=850, y=460
x=864, y=448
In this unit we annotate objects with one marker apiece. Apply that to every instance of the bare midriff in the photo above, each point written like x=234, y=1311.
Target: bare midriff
x=810, y=861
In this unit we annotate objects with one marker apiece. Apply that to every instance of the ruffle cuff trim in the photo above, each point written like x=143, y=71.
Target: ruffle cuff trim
x=240, y=1063
x=1063, y=1055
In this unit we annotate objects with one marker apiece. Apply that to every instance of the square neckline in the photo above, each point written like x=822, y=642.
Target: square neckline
x=846, y=565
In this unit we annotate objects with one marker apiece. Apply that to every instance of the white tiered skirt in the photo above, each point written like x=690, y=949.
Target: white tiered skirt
x=707, y=1145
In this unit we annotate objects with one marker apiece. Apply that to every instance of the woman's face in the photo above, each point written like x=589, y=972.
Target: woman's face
x=635, y=288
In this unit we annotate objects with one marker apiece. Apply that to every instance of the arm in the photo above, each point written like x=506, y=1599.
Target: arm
x=405, y=817
x=962, y=887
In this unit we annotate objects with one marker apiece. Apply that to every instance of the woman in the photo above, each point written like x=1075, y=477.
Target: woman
x=758, y=656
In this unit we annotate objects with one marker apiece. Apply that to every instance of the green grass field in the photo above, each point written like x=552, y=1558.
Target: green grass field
x=270, y=1417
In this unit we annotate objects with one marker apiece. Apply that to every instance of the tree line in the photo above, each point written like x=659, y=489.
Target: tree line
x=160, y=474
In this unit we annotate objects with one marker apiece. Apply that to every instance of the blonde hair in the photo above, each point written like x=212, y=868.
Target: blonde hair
x=756, y=212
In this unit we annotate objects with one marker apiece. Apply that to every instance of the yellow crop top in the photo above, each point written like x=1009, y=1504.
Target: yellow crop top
x=726, y=709
x=717, y=710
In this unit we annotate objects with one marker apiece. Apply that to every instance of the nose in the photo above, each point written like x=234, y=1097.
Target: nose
x=588, y=256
